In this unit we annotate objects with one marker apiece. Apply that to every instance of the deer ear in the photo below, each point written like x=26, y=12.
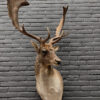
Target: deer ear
x=35, y=46
x=56, y=48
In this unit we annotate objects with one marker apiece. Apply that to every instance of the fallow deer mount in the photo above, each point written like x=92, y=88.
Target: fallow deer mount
x=49, y=82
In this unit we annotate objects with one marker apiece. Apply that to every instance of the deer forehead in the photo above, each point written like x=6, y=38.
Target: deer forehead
x=47, y=46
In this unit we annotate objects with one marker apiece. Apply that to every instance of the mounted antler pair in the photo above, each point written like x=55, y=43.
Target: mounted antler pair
x=49, y=82
x=13, y=7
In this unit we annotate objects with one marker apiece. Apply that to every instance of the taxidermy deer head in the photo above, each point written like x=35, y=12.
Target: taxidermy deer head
x=46, y=56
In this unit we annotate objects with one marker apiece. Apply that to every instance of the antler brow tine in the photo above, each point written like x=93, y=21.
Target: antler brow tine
x=48, y=37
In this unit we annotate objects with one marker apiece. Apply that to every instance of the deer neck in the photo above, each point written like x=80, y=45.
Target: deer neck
x=42, y=68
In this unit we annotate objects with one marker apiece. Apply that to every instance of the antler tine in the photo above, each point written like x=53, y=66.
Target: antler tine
x=13, y=8
x=48, y=35
x=33, y=36
x=59, y=33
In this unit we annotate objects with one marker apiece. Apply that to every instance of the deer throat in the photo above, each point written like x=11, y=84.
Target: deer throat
x=41, y=68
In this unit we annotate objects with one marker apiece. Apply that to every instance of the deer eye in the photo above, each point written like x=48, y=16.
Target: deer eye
x=44, y=52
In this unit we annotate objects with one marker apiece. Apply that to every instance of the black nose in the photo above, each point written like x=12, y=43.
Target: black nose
x=58, y=62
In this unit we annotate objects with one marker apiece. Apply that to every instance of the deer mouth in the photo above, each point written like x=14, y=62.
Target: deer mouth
x=57, y=64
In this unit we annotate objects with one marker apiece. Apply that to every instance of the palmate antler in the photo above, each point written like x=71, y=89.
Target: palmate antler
x=59, y=33
x=13, y=8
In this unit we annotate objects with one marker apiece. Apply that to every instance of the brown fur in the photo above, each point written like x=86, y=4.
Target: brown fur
x=49, y=82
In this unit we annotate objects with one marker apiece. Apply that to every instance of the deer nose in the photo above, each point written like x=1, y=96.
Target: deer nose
x=58, y=62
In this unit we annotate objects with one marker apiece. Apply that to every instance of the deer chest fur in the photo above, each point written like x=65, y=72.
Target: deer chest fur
x=49, y=86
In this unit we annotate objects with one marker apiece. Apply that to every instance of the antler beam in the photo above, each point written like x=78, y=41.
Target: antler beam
x=59, y=33
x=13, y=8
